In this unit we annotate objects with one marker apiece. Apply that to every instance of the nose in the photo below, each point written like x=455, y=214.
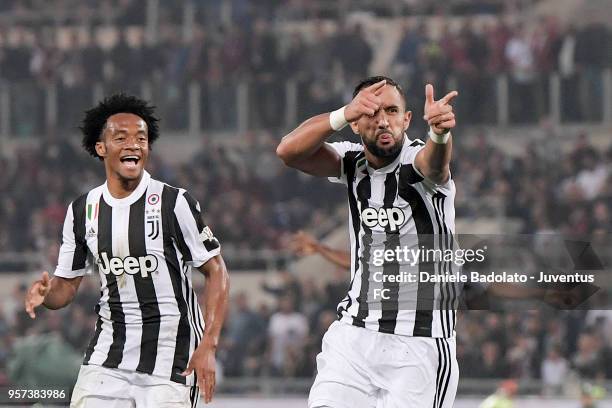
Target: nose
x=381, y=117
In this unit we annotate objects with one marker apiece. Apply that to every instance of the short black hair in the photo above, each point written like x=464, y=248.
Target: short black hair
x=374, y=79
x=95, y=119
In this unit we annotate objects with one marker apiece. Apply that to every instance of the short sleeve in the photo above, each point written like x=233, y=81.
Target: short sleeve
x=195, y=240
x=73, y=260
x=342, y=148
x=415, y=146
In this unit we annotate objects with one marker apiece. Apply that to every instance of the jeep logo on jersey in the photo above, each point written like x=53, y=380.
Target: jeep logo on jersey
x=130, y=265
x=392, y=217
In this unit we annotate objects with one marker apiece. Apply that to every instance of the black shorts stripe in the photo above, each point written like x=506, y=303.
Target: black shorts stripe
x=78, y=228
x=105, y=244
x=442, y=372
x=183, y=335
x=388, y=319
x=364, y=192
x=145, y=290
x=424, y=227
x=447, y=353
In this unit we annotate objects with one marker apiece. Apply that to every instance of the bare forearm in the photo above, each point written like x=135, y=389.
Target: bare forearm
x=434, y=160
x=305, y=140
x=62, y=292
x=216, y=294
x=335, y=256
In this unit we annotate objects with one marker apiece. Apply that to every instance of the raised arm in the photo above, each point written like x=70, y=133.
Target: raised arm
x=433, y=161
x=305, y=149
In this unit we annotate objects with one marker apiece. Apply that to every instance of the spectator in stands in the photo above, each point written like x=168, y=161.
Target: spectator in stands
x=287, y=333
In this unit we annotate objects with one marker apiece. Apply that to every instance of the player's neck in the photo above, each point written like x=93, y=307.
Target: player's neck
x=119, y=187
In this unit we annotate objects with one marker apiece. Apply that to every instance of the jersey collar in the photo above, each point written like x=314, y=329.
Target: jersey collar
x=132, y=198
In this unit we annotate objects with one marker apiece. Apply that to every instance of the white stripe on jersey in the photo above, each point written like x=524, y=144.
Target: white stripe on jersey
x=416, y=308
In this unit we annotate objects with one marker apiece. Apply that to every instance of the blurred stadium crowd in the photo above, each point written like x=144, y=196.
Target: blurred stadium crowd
x=568, y=193
x=269, y=46
x=252, y=202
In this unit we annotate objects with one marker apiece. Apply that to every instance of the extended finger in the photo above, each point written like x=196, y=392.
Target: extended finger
x=448, y=97
x=429, y=94
x=376, y=86
x=30, y=309
x=209, y=381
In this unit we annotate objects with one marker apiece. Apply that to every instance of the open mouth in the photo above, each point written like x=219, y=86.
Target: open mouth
x=130, y=161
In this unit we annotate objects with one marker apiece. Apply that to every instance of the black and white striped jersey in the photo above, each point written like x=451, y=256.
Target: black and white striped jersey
x=395, y=208
x=144, y=247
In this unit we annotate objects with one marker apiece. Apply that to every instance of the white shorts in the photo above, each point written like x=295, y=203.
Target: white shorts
x=362, y=368
x=101, y=387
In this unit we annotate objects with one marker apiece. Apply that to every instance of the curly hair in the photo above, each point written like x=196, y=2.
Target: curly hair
x=94, y=123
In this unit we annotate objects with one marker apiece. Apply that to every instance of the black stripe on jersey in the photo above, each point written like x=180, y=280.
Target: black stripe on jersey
x=209, y=244
x=364, y=192
x=424, y=227
x=145, y=290
x=190, y=299
x=441, y=264
x=105, y=244
x=409, y=175
x=94, y=339
x=181, y=351
x=417, y=142
x=447, y=306
x=78, y=228
x=350, y=160
x=388, y=319
x=453, y=298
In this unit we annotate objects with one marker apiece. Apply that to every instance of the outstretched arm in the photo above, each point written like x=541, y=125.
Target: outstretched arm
x=305, y=244
x=304, y=148
x=433, y=161
x=52, y=293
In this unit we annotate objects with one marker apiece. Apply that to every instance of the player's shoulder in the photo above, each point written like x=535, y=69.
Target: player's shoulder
x=88, y=196
x=345, y=147
x=178, y=194
x=411, y=148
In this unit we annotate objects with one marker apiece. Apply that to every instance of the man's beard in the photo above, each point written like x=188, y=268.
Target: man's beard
x=390, y=152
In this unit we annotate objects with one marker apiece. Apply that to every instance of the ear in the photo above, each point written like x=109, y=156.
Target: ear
x=354, y=127
x=101, y=149
x=407, y=118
